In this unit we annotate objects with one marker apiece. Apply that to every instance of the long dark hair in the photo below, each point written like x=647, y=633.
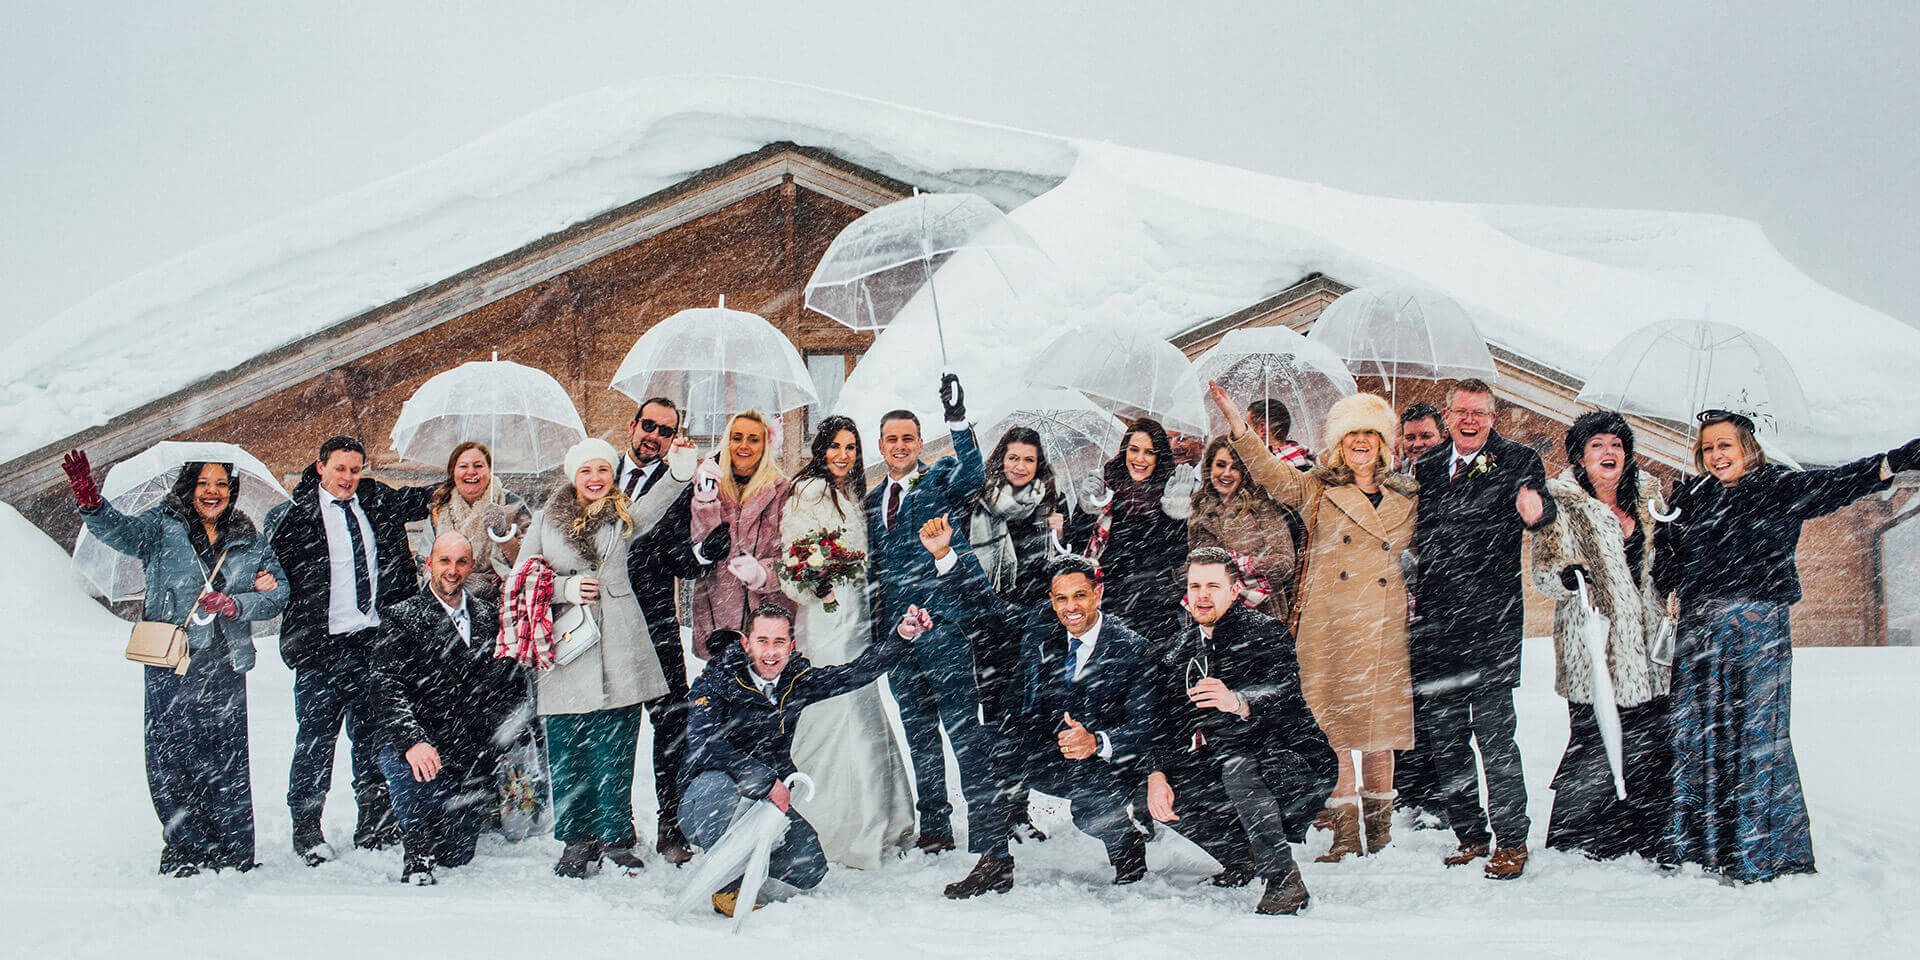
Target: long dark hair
x=1592, y=424
x=1115, y=471
x=231, y=521
x=996, y=464
x=1247, y=495
x=443, y=494
x=816, y=465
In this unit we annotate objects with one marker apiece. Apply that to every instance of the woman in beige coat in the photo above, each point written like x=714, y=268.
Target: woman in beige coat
x=1353, y=601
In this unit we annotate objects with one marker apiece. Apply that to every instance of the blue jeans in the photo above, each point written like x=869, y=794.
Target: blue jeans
x=197, y=767
x=707, y=809
x=935, y=688
x=325, y=698
x=439, y=818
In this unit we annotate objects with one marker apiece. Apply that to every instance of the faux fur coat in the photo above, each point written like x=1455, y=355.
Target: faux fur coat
x=1587, y=533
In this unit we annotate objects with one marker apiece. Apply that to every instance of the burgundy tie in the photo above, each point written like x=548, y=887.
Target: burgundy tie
x=893, y=504
x=633, y=480
x=1459, y=467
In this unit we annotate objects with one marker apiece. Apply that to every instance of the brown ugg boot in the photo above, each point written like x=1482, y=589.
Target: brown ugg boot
x=1378, y=818
x=1346, y=830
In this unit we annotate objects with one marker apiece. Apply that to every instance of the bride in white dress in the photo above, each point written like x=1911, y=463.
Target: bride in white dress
x=862, y=806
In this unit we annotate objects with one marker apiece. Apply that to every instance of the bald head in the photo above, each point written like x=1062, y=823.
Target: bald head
x=449, y=565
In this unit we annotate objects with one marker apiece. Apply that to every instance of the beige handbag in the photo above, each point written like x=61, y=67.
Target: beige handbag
x=158, y=643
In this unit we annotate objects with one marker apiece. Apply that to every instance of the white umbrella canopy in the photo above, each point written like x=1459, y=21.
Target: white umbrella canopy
x=716, y=362
x=1127, y=372
x=1395, y=331
x=1077, y=437
x=1673, y=369
x=880, y=262
x=521, y=413
x=137, y=484
x=1256, y=363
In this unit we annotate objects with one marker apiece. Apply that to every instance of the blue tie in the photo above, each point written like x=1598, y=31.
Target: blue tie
x=1073, y=657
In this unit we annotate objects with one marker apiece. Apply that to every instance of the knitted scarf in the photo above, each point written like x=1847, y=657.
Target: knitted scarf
x=988, y=528
x=472, y=521
x=1130, y=499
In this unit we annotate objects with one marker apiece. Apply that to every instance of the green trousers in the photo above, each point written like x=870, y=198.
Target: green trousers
x=591, y=756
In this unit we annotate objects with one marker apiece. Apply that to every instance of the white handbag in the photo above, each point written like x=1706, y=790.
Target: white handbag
x=575, y=631
x=1661, y=651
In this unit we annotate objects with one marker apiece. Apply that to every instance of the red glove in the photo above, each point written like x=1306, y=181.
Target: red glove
x=220, y=604
x=80, y=479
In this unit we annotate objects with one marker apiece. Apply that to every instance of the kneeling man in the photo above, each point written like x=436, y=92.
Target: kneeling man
x=1084, y=720
x=746, y=706
x=445, y=709
x=1239, y=766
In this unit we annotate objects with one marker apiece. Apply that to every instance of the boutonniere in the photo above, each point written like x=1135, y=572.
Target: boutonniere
x=914, y=481
x=1482, y=465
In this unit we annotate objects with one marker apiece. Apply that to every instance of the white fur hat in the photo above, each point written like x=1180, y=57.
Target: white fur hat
x=1360, y=412
x=592, y=448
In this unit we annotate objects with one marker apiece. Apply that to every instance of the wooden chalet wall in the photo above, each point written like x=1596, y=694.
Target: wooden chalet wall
x=1838, y=558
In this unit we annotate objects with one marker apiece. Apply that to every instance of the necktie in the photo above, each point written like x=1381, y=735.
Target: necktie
x=1073, y=657
x=1459, y=467
x=893, y=504
x=362, y=582
x=633, y=479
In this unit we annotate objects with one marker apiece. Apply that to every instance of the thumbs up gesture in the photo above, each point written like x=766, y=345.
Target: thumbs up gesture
x=1076, y=742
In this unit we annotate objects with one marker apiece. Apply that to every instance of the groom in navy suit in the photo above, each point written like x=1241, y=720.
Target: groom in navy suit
x=1085, y=721
x=934, y=685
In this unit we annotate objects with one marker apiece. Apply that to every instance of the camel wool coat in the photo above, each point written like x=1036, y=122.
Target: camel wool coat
x=1353, y=599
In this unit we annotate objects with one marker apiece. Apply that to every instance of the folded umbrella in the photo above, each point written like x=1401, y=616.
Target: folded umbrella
x=743, y=852
x=1595, y=628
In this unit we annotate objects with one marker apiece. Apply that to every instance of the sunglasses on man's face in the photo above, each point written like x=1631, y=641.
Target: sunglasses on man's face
x=655, y=427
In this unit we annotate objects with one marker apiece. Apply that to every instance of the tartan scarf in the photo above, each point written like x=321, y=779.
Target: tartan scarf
x=526, y=615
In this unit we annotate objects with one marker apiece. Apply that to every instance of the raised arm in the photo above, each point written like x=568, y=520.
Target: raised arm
x=1816, y=493
x=1282, y=482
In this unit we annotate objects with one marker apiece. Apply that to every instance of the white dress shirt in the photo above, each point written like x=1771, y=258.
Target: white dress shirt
x=342, y=615
x=628, y=468
x=462, y=621
x=1462, y=461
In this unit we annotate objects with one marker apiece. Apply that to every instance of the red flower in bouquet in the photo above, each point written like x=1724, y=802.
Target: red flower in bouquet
x=818, y=560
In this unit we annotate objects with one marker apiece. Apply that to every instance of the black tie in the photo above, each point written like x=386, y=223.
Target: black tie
x=362, y=583
x=893, y=504
x=1459, y=467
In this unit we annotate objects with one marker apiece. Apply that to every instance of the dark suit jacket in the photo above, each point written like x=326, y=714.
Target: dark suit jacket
x=1253, y=654
x=1115, y=697
x=431, y=687
x=1468, y=609
x=656, y=558
x=299, y=539
x=901, y=569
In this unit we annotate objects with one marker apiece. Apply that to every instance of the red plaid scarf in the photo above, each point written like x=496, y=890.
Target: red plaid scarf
x=526, y=615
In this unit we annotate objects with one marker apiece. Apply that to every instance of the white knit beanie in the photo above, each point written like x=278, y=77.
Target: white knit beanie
x=1360, y=412
x=592, y=448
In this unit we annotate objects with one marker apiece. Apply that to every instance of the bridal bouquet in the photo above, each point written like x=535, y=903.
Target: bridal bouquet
x=818, y=560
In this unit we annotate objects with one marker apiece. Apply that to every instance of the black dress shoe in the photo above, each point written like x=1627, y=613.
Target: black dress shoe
x=376, y=832
x=991, y=875
x=1286, y=895
x=933, y=845
x=1026, y=832
x=418, y=871
x=1233, y=877
x=625, y=858
x=673, y=846
x=309, y=844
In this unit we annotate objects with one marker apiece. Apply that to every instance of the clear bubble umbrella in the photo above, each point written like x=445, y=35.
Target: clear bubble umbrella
x=1673, y=369
x=523, y=415
x=1127, y=372
x=137, y=484
x=1257, y=363
x=1077, y=436
x=1395, y=331
x=716, y=362
x=880, y=262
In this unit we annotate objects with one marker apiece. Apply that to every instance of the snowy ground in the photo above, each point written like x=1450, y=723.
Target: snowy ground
x=83, y=844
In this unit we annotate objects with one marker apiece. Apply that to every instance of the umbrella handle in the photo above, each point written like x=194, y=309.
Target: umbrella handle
x=1665, y=517
x=513, y=530
x=797, y=779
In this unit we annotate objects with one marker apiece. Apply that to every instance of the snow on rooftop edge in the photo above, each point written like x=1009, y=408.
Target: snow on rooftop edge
x=1151, y=238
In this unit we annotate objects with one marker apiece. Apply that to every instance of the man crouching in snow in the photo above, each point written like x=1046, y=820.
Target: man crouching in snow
x=1086, y=714
x=746, y=706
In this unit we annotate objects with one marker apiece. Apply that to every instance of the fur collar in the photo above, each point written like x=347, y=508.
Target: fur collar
x=1397, y=482
x=564, y=513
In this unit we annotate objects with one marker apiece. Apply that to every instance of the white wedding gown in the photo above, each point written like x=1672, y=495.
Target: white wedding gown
x=862, y=806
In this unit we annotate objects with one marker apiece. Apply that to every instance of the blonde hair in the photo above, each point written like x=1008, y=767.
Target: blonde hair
x=765, y=475
x=1749, y=446
x=1334, y=458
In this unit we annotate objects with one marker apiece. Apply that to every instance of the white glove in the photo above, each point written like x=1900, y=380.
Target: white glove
x=748, y=571
x=706, y=481
x=682, y=461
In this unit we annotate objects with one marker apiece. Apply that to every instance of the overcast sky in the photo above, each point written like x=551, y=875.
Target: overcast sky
x=131, y=132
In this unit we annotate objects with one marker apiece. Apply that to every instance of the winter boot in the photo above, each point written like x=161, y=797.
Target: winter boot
x=991, y=875
x=1130, y=864
x=1378, y=818
x=418, y=871
x=309, y=844
x=177, y=865
x=1286, y=894
x=624, y=857
x=1465, y=854
x=1507, y=863
x=673, y=845
x=580, y=860
x=1346, y=830
x=933, y=844
x=377, y=829
x=1238, y=875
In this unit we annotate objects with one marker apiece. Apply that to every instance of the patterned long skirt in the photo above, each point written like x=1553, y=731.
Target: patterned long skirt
x=1737, y=806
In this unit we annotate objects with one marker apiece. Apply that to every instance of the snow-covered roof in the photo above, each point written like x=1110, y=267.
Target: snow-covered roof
x=1150, y=238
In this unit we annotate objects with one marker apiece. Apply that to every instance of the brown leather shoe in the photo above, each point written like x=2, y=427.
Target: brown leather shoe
x=932, y=845
x=1346, y=830
x=1285, y=895
x=991, y=875
x=673, y=846
x=1467, y=853
x=1507, y=863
